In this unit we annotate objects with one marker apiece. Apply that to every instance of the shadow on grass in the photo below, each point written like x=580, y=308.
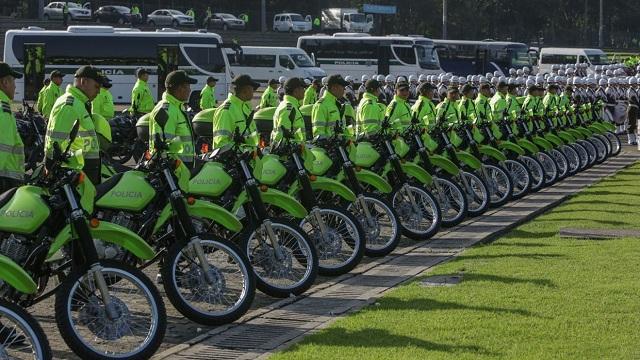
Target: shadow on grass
x=571, y=211
x=507, y=280
x=523, y=244
x=610, y=193
x=500, y=256
x=599, y=202
x=519, y=233
x=604, y=222
x=376, y=338
x=423, y=304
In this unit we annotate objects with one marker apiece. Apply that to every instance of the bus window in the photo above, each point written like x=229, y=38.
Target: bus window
x=427, y=57
x=598, y=59
x=405, y=54
x=558, y=59
x=520, y=58
x=208, y=59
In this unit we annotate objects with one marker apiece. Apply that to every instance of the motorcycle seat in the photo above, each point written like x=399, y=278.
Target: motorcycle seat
x=6, y=196
x=104, y=187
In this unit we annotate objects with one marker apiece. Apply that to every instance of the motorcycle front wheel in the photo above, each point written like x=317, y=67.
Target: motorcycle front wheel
x=21, y=337
x=131, y=326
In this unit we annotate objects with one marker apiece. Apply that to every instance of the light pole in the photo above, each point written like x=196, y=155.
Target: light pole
x=601, y=27
x=263, y=15
x=444, y=19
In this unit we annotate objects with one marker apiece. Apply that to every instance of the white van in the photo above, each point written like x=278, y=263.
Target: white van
x=562, y=56
x=291, y=22
x=263, y=63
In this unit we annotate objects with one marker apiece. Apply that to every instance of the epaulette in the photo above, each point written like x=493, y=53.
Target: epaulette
x=70, y=100
x=6, y=107
x=165, y=106
x=226, y=105
x=289, y=106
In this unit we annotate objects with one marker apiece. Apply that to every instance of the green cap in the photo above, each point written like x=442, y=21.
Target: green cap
x=90, y=72
x=177, y=78
x=5, y=70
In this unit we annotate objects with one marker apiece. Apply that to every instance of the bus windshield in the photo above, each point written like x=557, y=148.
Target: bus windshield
x=427, y=56
x=598, y=59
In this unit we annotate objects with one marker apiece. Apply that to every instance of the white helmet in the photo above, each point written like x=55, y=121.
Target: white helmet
x=512, y=81
x=364, y=78
x=577, y=81
x=569, y=71
x=633, y=81
x=488, y=75
x=602, y=82
x=609, y=72
x=380, y=78
x=496, y=73
x=482, y=79
x=348, y=78
x=512, y=72
x=401, y=78
x=282, y=79
x=526, y=70
x=611, y=81
x=325, y=81
x=455, y=80
x=413, y=79
x=519, y=72
x=474, y=78
x=307, y=82
x=530, y=82
x=495, y=80
x=561, y=72
x=423, y=78
x=390, y=79
x=557, y=79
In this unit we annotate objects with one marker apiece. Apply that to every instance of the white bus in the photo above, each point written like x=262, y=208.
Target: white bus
x=470, y=57
x=363, y=54
x=118, y=53
x=264, y=63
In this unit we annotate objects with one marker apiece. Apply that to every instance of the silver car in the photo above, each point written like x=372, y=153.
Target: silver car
x=54, y=11
x=170, y=17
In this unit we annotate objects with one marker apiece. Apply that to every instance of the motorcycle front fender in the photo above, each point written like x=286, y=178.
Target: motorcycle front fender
x=467, y=158
x=508, y=145
x=492, y=152
x=370, y=178
x=275, y=198
x=14, y=275
x=327, y=184
x=607, y=125
x=567, y=137
x=417, y=172
x=111, y=233
x=543, y=143
x=575, y=133
x=203, y=209
x=556, y=141
x=596, y=129
x=444, y=164
x=528, y=145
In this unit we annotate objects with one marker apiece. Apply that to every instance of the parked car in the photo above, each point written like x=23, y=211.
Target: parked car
x=291, y=22
x=226, y=21
x=53, y=11
x=171, y=17
x=115, y=14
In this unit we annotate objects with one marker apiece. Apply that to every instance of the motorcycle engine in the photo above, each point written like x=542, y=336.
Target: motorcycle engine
x=15, y=247
x=123, y=219
x=112, y=251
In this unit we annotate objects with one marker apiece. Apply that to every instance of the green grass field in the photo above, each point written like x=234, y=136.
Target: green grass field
x=528, y=295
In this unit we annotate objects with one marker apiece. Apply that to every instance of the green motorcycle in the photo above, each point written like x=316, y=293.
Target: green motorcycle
x=417, y=209
x=104, y=309
x=207, y=278
x=281, y=254
x=21, y=336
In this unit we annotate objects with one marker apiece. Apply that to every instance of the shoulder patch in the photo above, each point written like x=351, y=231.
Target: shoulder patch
x=70, y=100
x=289, y=106
x=165, y=106
x=226, y=105
x=6, y=107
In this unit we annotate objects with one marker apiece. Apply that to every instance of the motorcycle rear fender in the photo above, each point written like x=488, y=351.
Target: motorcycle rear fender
x=327, y=184
x=444, y=164
x=528, y=145
x=586, y=132
x=556, y=141
x=14, y=275
x=206, y=210
x=275, y=198
x=543, y=143
x=508, y=145
x=417, y=172
x=469, y=159
x=111, y=233
x=567, y=137
x=370, y=178
x=576, y=134
x=492, y=152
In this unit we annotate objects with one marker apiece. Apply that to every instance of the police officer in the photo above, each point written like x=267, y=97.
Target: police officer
x=269, y=96
x=399, y=112
x=103, y=103
x=235, y=113
x=362, y=89
x=498, y=102
x=280, y=90
x=483, y=110
x=75, y=105
x=51, y=94
x=208, y=94
x=328, y=111
x=424, y=110
x=191, y=13
x=467, y=106
x=43, y=90
x=287, y=119
x=632, y=110
x=447, y=110
x=177, y=131
x=11, y=147
x=65, y=13
x=311, y=94
x=207, y=18
x=370, y=112
x=141, y=99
